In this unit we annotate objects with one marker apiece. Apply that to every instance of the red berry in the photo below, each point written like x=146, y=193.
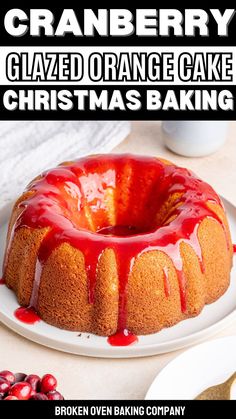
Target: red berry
x=11, y=398
x=20, y=390
x=33, y=380
x=19, y=376
x=1, y=396
x=54, y=395
x=8, y=375
x=4, y=385
x=48, y=383
x=39, y=396
x=33, y=392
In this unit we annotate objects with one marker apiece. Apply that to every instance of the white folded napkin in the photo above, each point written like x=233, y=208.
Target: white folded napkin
x=29, y=147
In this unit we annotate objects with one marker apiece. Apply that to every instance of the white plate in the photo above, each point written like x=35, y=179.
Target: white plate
x=212, y=319
x=195, y=370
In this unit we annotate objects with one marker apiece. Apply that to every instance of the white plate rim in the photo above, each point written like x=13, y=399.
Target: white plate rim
x=160, y=377
x=132, y=351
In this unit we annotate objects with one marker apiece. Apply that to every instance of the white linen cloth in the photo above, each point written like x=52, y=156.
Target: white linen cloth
x=29, y=147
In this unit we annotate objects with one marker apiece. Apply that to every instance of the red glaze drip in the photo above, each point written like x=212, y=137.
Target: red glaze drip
x=166, y=282
x=80, y=203
x=27, y=315
x=234, y=248
x=122, y=338
x=35, y=290
x=2, y=281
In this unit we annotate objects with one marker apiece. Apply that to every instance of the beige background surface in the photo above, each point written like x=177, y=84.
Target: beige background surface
x=91, y=378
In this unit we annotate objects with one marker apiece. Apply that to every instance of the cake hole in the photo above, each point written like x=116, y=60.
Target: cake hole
x=118, y=199
x=120, y=231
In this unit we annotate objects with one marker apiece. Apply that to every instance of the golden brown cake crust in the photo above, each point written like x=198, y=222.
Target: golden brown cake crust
x=63, y=290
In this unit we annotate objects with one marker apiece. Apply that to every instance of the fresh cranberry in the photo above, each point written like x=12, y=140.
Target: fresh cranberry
x=8, y=375
x=33, y=380
x=11, y=398
x=1, y=396
x=33, y=392
x=19, y=376
x=54, y=395
x=20, y=390
x=4, y=385
x=48, y=383
x=39, y=396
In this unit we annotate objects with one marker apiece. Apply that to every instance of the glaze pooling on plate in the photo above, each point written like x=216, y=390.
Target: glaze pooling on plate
x=27, y=315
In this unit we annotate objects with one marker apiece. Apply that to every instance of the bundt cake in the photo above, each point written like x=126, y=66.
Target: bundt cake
x=118, y=245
